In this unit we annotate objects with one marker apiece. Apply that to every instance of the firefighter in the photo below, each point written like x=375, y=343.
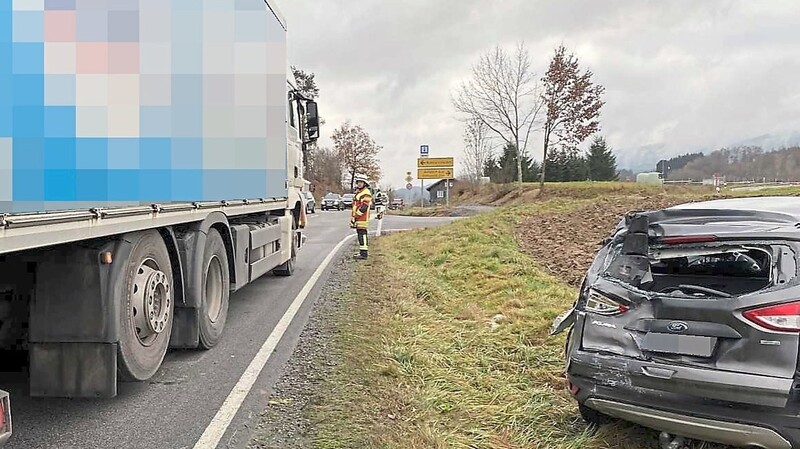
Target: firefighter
x=360, y=216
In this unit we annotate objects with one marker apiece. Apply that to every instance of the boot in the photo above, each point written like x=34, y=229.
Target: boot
x=362, y=255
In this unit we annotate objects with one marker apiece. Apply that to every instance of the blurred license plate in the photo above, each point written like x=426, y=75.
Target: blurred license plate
x=679, y=344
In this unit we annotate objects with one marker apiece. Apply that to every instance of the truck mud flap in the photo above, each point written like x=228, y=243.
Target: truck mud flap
x=77, y=357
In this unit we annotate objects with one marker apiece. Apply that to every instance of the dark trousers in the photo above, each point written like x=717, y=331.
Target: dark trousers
x=362, y=241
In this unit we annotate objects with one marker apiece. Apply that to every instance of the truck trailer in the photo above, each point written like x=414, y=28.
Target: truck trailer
x=151, y=163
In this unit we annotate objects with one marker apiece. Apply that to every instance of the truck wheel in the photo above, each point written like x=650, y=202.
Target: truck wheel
x=146, y=308
x=216, y=291
x=287, y=268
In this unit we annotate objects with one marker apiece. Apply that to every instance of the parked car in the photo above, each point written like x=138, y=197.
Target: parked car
x=688, y=322
x=347, y=199
x=311, y=203
x=397, y=204
x=332, y=201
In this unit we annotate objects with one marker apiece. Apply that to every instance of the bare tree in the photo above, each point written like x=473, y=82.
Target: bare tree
x=573, y=104
x=477, y=148
x=325, y=170
x=358, y=152
x=504, y=95
x=306, y=83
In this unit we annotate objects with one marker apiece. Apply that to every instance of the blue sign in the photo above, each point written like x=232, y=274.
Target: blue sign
x=424, y=150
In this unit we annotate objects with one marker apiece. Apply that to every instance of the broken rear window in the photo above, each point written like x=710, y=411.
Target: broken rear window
x=718, y=270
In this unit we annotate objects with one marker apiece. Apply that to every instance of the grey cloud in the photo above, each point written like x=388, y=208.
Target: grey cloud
x=680, y=75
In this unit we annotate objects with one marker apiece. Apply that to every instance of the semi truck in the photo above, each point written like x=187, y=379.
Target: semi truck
x=151, y=164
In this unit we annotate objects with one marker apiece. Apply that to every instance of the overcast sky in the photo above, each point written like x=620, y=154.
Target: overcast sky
x=680, y=76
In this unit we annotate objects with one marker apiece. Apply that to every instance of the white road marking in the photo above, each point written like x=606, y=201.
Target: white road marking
x=216, y=429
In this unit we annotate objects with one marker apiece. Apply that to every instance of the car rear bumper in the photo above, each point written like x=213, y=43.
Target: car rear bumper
x=731, y=433
x=609, y=385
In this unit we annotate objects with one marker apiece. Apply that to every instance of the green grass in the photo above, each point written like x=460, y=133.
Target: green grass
x=449, y=348
x=444, y=344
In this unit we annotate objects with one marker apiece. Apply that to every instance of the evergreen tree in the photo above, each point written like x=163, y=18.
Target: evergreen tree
x=491, y=169
x=601, y=162
x=507, y=167
x=576, y=167
x=556, y=166
x=566, y=164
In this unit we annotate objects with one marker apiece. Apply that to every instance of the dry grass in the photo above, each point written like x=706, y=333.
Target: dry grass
x=450, y=347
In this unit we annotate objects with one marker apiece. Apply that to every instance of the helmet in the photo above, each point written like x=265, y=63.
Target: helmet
x=362, y=179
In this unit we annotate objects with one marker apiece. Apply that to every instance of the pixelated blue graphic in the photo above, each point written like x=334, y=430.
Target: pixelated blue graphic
x=120, y=101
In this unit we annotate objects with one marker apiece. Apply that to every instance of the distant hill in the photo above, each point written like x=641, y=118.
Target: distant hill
x=413, y=195
x=646, y=157
x=744, y=163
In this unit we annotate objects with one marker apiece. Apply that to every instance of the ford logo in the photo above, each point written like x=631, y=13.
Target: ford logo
x=677, y=327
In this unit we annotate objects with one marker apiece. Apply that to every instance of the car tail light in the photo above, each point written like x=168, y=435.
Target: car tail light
x=601, y=304
x=780, y=317
x=684, y=239
x=5, y=416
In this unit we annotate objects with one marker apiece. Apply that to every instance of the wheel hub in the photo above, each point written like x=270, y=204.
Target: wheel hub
x=151, y=302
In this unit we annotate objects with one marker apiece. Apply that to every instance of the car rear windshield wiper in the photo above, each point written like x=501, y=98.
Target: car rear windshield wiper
x=686, y=288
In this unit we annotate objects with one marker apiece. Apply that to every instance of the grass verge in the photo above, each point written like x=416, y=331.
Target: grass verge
x=446, y=346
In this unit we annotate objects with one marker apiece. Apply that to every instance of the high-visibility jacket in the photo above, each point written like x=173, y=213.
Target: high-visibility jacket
x=361, y=204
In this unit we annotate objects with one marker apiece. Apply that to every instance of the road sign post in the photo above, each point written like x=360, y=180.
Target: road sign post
x=435, y=173
x=435, y=168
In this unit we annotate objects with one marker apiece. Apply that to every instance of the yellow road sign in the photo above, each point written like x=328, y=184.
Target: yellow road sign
x=435, y=162
x=435, y=173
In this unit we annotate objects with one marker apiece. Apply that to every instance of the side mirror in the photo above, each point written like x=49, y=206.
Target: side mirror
x=312, y=120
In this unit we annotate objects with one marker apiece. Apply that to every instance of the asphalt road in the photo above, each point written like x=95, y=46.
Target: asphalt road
x=174, y=408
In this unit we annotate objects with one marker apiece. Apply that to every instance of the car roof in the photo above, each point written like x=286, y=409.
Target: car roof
x=786, y=205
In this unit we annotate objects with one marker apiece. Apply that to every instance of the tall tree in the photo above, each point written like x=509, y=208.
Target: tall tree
x=325, y=170
x=506, y=167
x=358, y=152
x=477, y=148
x=601, y=161
x=566, y=164
x=306, y=83
x=572, y=103
x=503, y=94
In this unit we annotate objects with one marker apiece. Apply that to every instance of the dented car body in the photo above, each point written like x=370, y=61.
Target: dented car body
x=688, y=321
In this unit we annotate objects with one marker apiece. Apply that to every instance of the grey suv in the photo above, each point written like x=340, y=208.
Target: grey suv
x=688, y=322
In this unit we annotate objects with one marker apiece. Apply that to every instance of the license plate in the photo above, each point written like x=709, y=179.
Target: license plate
x=679, y=344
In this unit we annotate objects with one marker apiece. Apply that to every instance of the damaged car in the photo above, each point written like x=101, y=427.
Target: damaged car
x=688, y=322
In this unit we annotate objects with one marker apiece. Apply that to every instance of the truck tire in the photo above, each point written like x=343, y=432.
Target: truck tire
x=287, y=268
x=146, y=308
x=216, y=290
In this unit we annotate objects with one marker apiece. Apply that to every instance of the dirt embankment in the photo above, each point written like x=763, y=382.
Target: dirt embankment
x=565, y=243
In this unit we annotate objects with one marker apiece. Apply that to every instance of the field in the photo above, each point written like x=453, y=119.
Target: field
x=450, y=347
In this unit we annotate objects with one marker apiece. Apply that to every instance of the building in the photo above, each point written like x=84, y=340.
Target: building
x=438, y=191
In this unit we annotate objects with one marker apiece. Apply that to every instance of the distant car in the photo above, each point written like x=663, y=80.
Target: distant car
x=332, y=201
x=347, y=199
x=688, y=321
x=397, y=204
x=311, y=203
